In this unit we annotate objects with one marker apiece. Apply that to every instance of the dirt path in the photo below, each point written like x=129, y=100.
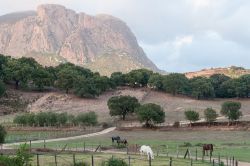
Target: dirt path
x=5, y=146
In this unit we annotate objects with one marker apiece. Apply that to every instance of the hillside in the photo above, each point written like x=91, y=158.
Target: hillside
x=54, y=34
x=173, y=106
x=232, y=72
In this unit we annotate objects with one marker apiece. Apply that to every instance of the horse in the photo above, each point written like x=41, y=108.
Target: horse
x=122, y=141
x=115, y=138
x=147, y=150
x=207, y=147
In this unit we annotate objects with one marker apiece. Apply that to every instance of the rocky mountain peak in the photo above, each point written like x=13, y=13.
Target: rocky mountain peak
x=55, y=34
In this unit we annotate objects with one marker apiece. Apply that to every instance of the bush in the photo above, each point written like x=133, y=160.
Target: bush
x=81, y=164
x=114, y=162
x=87, y=119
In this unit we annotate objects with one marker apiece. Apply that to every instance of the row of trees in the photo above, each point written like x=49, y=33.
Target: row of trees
x=55, y=119
x=229, y=109
x=149, y=113
x=26, y=72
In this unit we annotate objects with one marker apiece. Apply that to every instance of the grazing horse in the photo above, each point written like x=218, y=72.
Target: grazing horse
x=115, y=138
x=122, y=141
x=208, y=147
x=147, y=150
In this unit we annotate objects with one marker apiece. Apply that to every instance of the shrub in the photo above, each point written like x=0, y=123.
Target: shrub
x=87, y=119
x=114, y=162
x=81, y=164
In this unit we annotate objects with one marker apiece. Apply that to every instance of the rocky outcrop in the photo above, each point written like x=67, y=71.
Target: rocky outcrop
x=54, y=34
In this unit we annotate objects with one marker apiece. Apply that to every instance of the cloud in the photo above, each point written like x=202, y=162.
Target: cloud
x=178, y=35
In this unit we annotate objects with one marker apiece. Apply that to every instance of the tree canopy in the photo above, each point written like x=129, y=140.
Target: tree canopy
x=122, y=105
x=192, y=116
x=151, y=114
x=210, y=115
x=231, y=110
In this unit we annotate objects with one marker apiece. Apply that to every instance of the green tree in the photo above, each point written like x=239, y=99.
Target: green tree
x=175, y=83
x=231, y=110
x=139, y=77
x=192, y=116
x=150, y=114
x=2, y=88
x=122, y=105
x=3, y=134
x=210, y=115
x=66, y=79
x=156, y=81
x=17, y=71
x=217, y=80
x=201, y=88
x=118, y=78
x=86, y=88
x=89, y=118
x=41, y=78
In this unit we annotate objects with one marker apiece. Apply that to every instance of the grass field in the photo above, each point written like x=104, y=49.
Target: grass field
x=99, y=158
x=227, y=143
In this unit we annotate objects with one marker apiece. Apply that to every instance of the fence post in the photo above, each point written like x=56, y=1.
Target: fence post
x=30, y=145
x=210, y=158
x=191, y=162
x=37, y=160
x=149, y=161
x=196, y=154
x=227, y=160
x=177, y=152
x=213, y=163
x=74, y=159
x=128, y=160
x=236, y=163
x=92, y=160
x=55, y=159
x=167, y=150
x=170, y=161
x=230, y=163
x=219, y=158
x=233, y=160
x=44, y=144
x=84, y=146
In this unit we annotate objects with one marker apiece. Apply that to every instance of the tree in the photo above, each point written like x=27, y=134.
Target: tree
x=114, y=162
x=86, y=88
x=139, y=77
x=175, y=83
x=210, y=115
x=150, y=114
x=41, y=78
x=17, y=71
x=217, y=80
x=201, y=88
x=231, y=110
x=2, y=88
x=156, y=81
x=118, y=78
x=122, y=105
x=89, y=118
x=66, y=79
x=3, y=134
x=192, y=116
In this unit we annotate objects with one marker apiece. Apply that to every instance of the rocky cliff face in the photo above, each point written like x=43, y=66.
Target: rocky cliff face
x=54, y=34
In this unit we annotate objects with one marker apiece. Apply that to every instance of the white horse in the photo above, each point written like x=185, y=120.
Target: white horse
x=147, y=150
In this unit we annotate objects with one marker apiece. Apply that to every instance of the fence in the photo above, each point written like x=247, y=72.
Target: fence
x=69, y=155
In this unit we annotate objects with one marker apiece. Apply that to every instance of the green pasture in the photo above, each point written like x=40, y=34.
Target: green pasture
x=226, y=143
x=135, y=160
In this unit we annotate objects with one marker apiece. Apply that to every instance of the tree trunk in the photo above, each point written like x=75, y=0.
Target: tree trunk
x=17, y=84
x=67, y=90
x=123, y=116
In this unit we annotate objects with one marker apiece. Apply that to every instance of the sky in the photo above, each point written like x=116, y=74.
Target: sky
x=177, y=35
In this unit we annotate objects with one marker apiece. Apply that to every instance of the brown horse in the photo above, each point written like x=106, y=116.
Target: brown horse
x=208, y=147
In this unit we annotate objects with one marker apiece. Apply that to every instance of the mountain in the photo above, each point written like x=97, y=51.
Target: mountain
x=232, y=71
x=54, y=34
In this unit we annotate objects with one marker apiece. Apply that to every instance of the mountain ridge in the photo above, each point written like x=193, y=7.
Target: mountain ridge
x=54, y=34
